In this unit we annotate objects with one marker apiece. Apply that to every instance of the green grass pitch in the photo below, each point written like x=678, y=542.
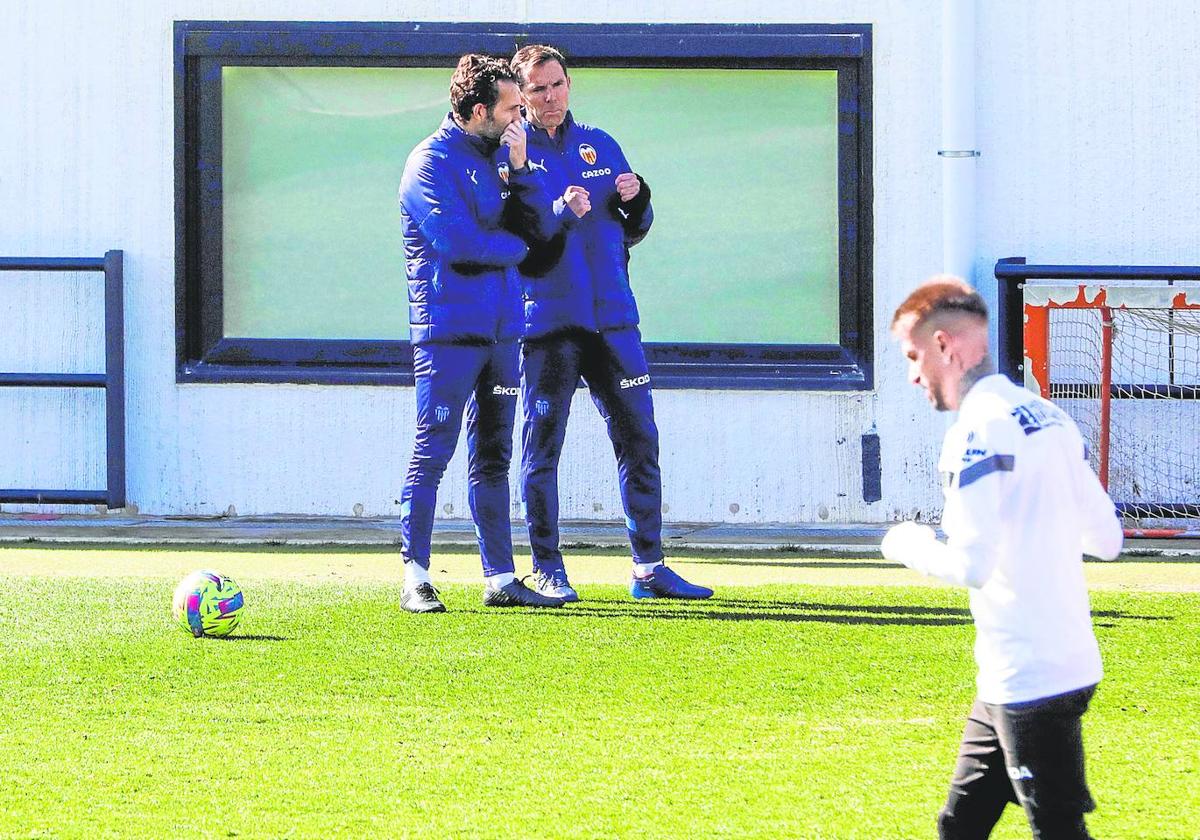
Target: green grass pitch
x=772, y=711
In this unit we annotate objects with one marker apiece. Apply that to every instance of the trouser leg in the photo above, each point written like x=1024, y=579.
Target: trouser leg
x=614, y=367
x=979, y=788
x=490, y=416
x=549, y=377
x=445, y=376
x=1043, y=748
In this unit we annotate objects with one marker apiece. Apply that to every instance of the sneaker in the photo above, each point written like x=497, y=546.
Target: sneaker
x=554, y=584
x=517, y=594
x=422, y=598
x=664, y=583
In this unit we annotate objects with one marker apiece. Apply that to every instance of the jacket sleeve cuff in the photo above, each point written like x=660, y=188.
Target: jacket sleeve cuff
x=564, y=214
x=637, y=205
x=631, y=214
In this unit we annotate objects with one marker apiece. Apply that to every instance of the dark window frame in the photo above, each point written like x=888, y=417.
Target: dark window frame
x=203, y=354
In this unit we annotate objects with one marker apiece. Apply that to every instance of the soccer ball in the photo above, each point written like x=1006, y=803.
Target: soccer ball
x=208, y=604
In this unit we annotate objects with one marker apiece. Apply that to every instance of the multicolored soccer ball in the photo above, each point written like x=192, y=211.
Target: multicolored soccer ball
x=208, y=604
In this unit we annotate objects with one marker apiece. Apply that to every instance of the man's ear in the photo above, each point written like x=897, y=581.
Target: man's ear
x=479, y=112
x=942, y=339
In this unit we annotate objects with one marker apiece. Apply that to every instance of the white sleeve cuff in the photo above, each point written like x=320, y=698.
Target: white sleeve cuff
x=917, y=547
x=909, y=543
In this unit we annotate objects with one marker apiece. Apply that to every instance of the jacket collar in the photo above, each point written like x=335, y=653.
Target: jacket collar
x=453, y=131
x=542, y=137
x=993, y=383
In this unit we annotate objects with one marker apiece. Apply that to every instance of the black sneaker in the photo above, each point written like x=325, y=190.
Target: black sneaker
x=422, y=598
x=517, y=594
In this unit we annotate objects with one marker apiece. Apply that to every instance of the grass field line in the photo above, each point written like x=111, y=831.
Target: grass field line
x=713, y=568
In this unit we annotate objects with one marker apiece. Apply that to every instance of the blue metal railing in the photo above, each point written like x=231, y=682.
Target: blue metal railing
x=112, y=380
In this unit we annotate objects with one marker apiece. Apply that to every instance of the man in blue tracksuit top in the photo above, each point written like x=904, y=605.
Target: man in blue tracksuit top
x=581, y=321
x=464, y=314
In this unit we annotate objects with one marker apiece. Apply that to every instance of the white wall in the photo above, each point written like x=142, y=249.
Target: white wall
x=1087, y=122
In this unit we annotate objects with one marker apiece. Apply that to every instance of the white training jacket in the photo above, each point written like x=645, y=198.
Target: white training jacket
x=1022, y=507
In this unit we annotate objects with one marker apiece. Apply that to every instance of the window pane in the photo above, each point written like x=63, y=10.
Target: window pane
x=743, y=168
x=742, y=163
x=312, y=159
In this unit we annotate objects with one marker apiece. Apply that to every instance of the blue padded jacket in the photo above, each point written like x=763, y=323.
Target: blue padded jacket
x=459, y=257
x=579, y=276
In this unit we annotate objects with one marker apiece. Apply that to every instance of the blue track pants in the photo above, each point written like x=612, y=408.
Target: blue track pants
x=482, y=379
x=613, y=365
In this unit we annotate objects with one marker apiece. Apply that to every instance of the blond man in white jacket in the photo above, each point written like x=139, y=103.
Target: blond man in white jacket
x=1022, y=507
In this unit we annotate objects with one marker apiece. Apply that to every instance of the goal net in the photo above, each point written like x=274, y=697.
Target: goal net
x=1123, y=359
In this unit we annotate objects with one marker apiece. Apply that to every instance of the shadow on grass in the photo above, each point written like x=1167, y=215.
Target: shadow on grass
x=788, y=612
x=904, y=609
x=674, y=612
x=891, y=609
x=799, y=564
x=250, y=637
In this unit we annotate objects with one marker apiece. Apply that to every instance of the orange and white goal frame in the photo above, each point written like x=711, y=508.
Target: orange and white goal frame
x=1112, y=301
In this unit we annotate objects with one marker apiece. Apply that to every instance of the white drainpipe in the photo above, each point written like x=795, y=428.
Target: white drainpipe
x=958, y=151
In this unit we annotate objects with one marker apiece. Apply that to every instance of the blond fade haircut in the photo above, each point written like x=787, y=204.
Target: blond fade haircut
x=942, y=293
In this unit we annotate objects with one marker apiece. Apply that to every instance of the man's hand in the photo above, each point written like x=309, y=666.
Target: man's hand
x=628, y=186
x=514, y=138
x=577, y=199
x=908, y=543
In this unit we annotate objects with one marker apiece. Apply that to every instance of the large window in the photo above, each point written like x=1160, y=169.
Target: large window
x=755, y=140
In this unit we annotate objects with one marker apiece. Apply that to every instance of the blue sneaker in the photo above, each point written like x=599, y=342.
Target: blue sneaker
x=554, y=584
x=664, y=583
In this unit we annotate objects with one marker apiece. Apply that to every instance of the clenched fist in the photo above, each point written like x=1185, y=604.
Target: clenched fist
x=628, y=186
x=577, y=199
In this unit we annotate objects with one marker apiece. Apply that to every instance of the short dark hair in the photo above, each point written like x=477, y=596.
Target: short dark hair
x=476, y=80
x=531, y=56
x=942, y=293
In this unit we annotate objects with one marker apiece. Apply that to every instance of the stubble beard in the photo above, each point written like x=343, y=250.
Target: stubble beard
x=939, y=399
x=491, y=130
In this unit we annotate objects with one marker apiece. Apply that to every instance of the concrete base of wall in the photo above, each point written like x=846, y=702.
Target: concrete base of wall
x=861, y=540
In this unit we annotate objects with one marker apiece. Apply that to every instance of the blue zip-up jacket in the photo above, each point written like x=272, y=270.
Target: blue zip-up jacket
x=580, y=276
x=459, y=258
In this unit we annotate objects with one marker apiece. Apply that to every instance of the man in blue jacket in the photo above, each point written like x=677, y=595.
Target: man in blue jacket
x=581, y=321
x=464, y=319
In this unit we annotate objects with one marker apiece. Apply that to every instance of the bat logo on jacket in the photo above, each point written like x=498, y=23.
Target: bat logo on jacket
x=442, y=413
x=1034, y=418
x=502, y=169
x=588, y=154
